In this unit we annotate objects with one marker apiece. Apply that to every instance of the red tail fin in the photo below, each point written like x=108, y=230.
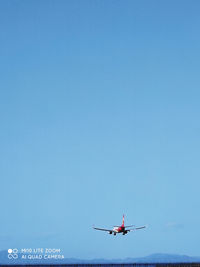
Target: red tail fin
x=123, y=221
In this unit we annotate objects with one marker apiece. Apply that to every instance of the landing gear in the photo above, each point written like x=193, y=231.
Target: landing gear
x=114, y=233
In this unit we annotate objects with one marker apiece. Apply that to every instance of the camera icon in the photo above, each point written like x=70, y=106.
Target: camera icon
x=12, y=253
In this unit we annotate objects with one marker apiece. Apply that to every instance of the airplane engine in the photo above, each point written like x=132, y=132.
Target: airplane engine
x=110, y=232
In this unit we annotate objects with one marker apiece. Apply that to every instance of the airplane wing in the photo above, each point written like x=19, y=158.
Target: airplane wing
x=102, y=229
x=136, y=228
x=141, y=227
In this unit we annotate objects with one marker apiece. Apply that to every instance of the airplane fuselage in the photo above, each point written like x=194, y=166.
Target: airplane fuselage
x=117, y=230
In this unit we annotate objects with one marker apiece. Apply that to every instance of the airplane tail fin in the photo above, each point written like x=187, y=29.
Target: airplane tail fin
x=123, y=220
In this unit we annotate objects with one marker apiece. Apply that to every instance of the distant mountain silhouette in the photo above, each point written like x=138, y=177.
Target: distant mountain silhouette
x=163, y=258
x=154, y=258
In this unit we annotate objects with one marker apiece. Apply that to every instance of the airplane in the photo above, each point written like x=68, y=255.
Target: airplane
x=120, y=229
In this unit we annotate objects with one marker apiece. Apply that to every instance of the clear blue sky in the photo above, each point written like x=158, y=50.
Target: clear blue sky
x=99, y=107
